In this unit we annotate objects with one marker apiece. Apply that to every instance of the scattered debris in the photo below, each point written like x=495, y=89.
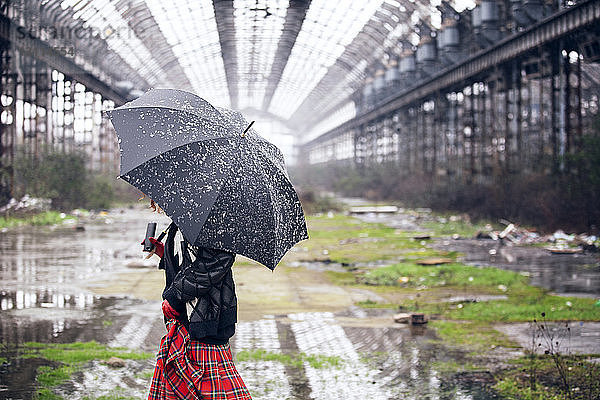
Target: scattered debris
x=27, y=204
x=402, y=318
x=507, y=231
x=424, y=236
x=435, y=261
x=476, y=299
x=564, y=250
x=413, y=319
x=563, y=243
x=374, y=210
x=418, y=319
x=115, y=362
x=486, y=235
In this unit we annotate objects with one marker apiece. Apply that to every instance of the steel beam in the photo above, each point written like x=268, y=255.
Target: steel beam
x=140, y=19
x=567, y=22
x=226, y=27
x=294, y=19
x=37, y=49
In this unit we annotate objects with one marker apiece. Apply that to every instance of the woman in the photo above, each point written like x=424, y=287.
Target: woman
x=200, y=309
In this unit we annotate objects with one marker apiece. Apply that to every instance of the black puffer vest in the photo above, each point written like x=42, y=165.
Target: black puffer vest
x=206, y=284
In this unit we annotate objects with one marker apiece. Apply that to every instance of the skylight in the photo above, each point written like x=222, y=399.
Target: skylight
x=103, y=17
x=328, y=28
x=258, y=28
x=191, y=31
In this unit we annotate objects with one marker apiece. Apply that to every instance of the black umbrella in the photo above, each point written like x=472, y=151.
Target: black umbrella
x=222, y=184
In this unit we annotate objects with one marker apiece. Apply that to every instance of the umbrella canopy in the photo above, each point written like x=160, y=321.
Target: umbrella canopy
x=222, y=184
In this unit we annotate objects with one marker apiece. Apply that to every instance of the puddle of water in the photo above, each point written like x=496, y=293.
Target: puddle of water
x=396, y=362
x=577, y=274
x=43, y=297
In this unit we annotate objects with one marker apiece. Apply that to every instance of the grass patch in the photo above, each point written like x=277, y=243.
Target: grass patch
x=449, y=275
x=295, y=360
x=522, y=306
x=346, y=240
x=475, y=336
x=374, y=304
x=528, y=305
x=79, y=352
x=524, y=301
x=341, y=278
x=46, y=394
x=68, y=359
x=537, y=378
x=43, y=218
x=460, y=227
x=145, y=374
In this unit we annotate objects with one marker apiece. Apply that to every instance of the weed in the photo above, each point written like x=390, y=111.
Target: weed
x=474, y=336
x=43, y=218
x=549, y=371
x=69, y=358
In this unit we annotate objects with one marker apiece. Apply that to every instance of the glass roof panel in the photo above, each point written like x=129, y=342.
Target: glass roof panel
x=258, y=28
x=328, y=60
x=328, y=28
x=103, y=17
x=191, y=31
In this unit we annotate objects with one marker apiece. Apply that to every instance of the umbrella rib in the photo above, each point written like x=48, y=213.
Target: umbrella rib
x=263, y=176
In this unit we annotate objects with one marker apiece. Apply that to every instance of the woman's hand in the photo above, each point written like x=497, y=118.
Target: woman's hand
x=169, y=311
x=159, y=247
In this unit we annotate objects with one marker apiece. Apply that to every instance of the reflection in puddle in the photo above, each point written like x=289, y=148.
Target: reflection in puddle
x=396, y=362
x=49, y=298
x=569, y=274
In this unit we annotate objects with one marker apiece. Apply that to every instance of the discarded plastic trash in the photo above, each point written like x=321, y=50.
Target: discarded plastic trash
x=563, y=243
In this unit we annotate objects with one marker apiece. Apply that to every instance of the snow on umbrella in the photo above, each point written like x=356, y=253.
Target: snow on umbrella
x=222, y=184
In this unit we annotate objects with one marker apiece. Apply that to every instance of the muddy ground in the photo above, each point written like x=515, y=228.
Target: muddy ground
x=299, y=336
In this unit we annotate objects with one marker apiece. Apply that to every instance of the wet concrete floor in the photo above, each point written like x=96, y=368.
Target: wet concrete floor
x=65, y=285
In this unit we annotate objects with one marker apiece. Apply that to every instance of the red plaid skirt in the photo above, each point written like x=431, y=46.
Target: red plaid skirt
x=191, y=370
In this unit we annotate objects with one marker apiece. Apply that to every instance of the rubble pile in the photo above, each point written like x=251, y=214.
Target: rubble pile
x=559, y=242
x=26, y=205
